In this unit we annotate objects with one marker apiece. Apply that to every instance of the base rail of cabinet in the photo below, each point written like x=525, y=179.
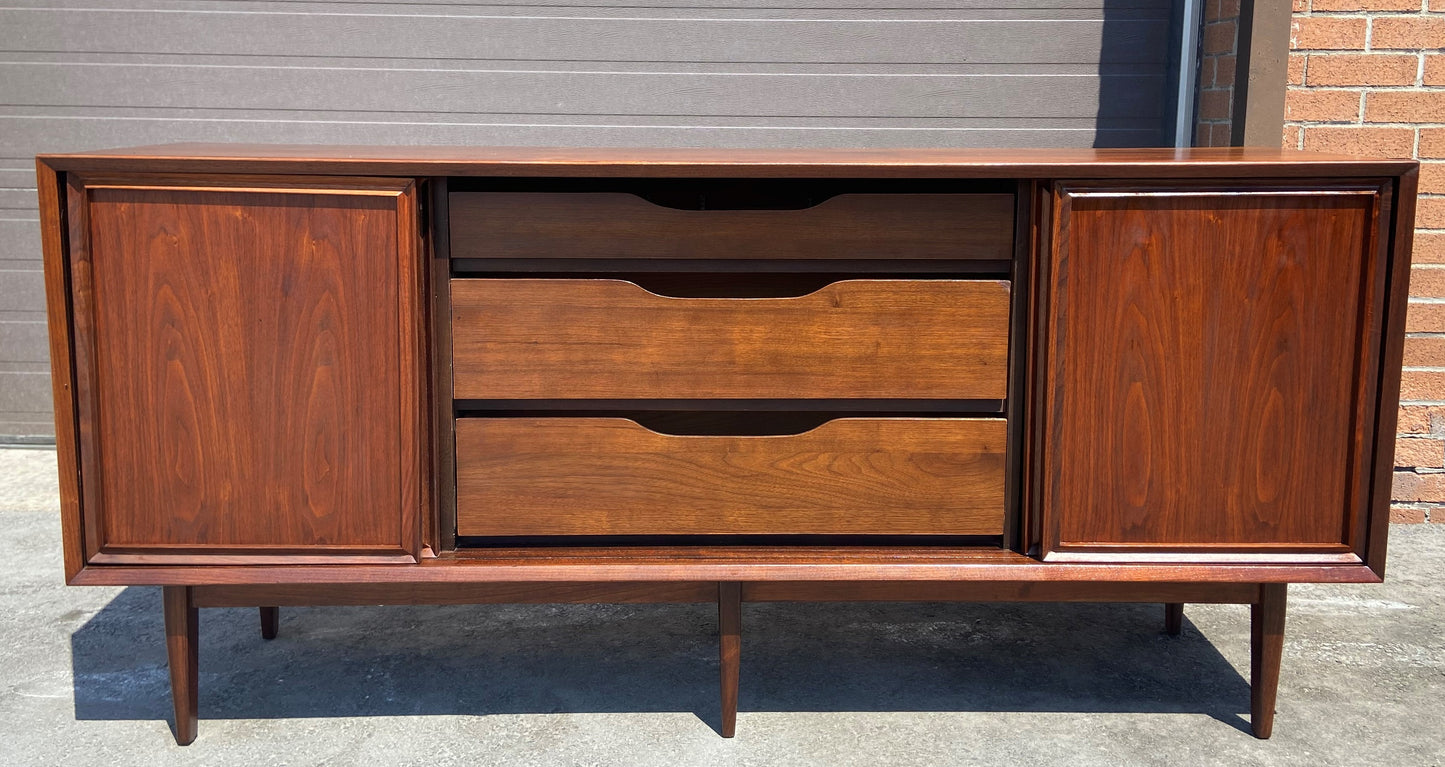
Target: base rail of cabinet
x=182, y=603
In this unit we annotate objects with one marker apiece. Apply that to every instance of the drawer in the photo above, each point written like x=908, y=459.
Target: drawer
x=611, y=476
x=611, y=339
x=587, y=225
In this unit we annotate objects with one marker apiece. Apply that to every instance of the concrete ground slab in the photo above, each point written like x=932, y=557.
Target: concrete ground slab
x=83, y=676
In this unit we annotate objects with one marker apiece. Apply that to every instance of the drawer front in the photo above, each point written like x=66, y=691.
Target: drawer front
x=553, y=225
x=611, y=476
x=610, y=339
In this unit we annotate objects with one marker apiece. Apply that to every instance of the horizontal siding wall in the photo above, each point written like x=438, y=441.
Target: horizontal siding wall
x=86, y=74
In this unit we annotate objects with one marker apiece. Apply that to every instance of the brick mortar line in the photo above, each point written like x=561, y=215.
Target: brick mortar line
x=1406, y=125
x=1371, y=14
x=1388, y=88
x=1369, y=52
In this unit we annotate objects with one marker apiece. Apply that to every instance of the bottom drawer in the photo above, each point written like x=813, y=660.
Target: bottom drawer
x=611, y=476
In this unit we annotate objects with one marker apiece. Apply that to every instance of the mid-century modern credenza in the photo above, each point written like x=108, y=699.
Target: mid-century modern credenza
x=365, y=375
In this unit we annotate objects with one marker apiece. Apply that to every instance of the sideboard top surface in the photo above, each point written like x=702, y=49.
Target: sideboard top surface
x=1242, y=162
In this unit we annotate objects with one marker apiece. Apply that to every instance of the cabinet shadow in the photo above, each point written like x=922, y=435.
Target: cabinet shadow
x=523, y=659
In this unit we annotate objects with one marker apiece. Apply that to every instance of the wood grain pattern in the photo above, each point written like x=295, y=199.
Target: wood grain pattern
x=1211, y=354
x=251, y=367
x=784, y=564
x=54, y=245
x=635, y=162
x=288, y=595
x=1266, y=643
x=545, y=225
x=609, y=476
x=984, y=591
x=300, y=595
x=609, y=339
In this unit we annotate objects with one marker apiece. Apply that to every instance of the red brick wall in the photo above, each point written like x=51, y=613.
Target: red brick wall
x=1368, y=77
x=1219, y=47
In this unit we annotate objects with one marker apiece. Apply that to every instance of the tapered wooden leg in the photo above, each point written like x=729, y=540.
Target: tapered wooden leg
x=270, y=621
x=1266, y=619
x=1173, y=618
x=729, y=622
x=181, y=636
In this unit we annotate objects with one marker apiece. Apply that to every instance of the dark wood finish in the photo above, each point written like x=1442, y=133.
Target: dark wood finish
x=781, y=408
x=1035, y=341
x=54, y=247
x=609, y=339
x=300, y=595
x=1017, y=401
x=1003, y=591
x=543, y=225
x=638, y=269
x=1386, y=412
x=251, y=355
x=1266, y=642
x=1196, y=356
x=1227, y=409
x=182, y=632
x=1174, y=618
x=632, y=162
x=780, y=563
x=650, y=592
x=610, y=476
x=444, y=472
x=730, y=628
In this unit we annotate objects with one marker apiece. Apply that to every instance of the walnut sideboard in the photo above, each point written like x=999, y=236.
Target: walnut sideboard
x=365, y=375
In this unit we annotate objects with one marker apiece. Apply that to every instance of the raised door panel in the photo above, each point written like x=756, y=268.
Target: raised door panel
x=1211, y=359
x=247, y=368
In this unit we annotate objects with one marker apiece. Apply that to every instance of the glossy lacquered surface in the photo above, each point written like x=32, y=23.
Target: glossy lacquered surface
x=247, y=365
x=1212, y=364
x=632, y=162
x=280, y=390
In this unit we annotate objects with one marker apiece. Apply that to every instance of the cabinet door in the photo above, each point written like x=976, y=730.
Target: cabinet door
x=1208, y=380
x=248, y=368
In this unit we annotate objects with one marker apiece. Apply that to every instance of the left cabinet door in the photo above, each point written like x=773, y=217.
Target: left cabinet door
x=249, y=367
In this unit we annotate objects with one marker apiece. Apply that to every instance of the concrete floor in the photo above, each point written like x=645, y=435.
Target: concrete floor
x=83, y=677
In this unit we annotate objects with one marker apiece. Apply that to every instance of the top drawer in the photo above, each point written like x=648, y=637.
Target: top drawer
x=621, y=225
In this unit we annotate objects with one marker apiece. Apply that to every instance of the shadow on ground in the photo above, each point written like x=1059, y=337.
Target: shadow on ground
x=522, y=659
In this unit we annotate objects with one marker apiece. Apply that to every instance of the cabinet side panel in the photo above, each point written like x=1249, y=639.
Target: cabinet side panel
x=246, y=360
x=1207, y=369
x=57, y=310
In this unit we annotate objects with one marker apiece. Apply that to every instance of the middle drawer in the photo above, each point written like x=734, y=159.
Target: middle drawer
x=611, y=339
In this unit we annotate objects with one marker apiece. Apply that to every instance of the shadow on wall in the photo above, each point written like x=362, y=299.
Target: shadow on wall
x=523, y=659
x=1138, y=73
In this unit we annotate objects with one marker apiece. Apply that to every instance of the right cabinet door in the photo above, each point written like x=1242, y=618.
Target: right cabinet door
x=1206, y=371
